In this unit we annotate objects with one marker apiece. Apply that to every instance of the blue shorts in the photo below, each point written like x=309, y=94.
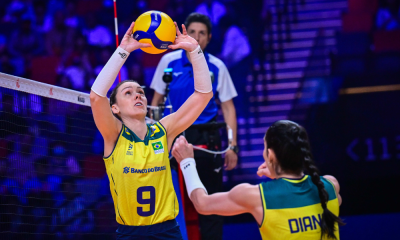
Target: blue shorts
x=160, y=231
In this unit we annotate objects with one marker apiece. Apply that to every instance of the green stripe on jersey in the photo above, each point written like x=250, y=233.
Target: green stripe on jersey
x=281, y=194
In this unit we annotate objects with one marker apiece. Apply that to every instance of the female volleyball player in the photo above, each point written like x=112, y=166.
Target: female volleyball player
x=292, y=206
x=136, y=154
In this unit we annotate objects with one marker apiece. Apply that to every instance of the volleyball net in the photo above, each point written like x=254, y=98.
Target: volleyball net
x=53, y=183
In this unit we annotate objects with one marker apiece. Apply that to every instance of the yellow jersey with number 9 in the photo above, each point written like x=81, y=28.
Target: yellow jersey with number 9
x=140, y=178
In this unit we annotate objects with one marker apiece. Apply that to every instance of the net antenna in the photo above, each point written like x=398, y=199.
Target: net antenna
x=116, y=32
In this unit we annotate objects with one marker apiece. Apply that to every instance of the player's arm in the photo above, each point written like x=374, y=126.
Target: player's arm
x=157, y=84
x=186, y=115
x=335, y=183
x=157, y=99
x=107, y=124
x=241, y=199
x=229, y=112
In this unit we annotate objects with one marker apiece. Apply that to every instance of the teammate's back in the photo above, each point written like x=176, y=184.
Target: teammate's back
x=292, y=208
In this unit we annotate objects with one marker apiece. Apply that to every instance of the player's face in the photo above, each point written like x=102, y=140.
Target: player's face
x=131, y=101
x=199, y=32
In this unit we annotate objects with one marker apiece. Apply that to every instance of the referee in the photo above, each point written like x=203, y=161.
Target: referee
x=209, y=166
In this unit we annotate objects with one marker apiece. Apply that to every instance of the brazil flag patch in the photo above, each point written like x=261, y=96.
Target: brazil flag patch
x=158, y=147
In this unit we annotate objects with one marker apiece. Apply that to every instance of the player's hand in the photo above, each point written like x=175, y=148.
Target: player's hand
x=182, y=149
x=183, y=40
x=130, y=44
x=263, y=170
x=231, y=160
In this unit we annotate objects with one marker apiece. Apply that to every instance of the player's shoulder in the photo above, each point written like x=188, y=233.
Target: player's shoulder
x=216, y=61
x=243, y=192
x=172, y=56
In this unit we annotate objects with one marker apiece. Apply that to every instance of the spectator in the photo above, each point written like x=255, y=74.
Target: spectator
x=5, y=59
x=388, y=16
x=17, y=9
x=43, y=22
x=25, y=43
x=39, y=195
x=212, y=9
x=22, y=159
x=96, y=34
x=235, y=46
x=72, y=216
x=60, y=37
x=72, y=20
x=78, y=74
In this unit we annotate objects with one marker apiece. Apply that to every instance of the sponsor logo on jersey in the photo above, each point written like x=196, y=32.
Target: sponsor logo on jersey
x=129, y=152
x=177, y=73
x=158, y=147
x=154, y=130
x=147, y=170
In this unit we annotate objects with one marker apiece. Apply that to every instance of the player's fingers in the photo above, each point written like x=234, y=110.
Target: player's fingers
x=173, y=46
x=230, y=165
x=226, y=162
x=130, y=29
x=178, y=33
x=184, y=29
x=144, y=45
x=263, y=165
x=190, y=146
x=184, y=140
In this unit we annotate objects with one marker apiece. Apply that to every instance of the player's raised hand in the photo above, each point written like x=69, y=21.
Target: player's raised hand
x=182, y=149
x=263, y=170
x=130, y=44
x=183, y=40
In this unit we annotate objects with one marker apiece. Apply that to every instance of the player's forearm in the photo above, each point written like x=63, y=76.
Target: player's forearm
x=109, y=73
x=201, y=73
x=157, y=99
x=229, y=112
x=199, y=200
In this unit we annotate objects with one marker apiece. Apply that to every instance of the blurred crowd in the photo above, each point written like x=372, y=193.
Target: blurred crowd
x=67, y=42
x=53, y=184
x=388, y=15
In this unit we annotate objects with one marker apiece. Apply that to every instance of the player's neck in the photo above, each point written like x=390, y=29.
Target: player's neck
x=291, y=175
x=139, y=127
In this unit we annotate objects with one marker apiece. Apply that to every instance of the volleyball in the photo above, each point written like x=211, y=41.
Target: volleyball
x=155, y=28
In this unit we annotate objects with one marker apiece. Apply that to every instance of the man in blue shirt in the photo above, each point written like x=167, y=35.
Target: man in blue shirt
x=209, y=166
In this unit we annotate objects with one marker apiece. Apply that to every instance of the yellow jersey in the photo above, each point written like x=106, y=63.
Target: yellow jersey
x=140, y=178
x=292, y=208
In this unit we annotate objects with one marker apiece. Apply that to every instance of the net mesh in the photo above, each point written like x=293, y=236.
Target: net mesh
x=53, y=183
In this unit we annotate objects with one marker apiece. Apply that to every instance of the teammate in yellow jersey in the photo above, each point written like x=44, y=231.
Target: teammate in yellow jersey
x=291, y=206
x=136, y=154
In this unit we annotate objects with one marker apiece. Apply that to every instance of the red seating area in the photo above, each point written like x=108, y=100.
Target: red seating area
x=357, y=22
x=40, y=69
x=385, y=41
x=361, y=18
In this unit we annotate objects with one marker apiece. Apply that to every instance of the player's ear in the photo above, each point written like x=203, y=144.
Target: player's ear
x=115, y=109
x=209, y=37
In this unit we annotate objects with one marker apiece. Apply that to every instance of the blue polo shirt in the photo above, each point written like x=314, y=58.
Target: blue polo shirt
x=182, y=85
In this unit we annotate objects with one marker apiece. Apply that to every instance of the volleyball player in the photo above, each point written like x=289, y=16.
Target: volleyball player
x=291, y=206
x=136, y=154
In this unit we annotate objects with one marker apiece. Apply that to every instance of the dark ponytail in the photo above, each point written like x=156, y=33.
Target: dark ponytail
x=293, y=152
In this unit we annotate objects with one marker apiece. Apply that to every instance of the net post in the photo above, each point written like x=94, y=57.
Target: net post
x=116, y=32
